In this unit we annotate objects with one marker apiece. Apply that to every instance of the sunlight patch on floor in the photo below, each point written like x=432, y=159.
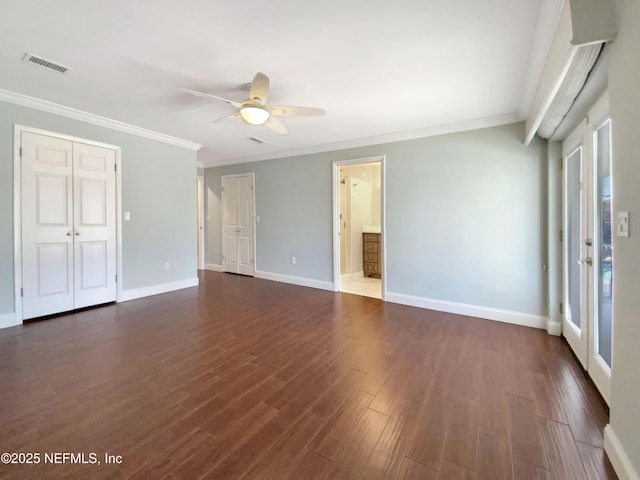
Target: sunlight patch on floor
x=367, y=287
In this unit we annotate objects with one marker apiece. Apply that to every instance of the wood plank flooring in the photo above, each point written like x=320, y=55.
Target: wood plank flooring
x=242, y=378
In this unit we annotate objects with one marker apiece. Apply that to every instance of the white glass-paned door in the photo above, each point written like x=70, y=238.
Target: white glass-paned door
x=588, y=251
x=604, y=267
x=574, y=236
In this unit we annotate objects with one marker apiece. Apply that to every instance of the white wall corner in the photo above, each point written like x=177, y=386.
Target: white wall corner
x=618, y=457
x=554, y=328
x=134, y=293
x=301, y=281
x=9, y=320
x=213, y=267
x=488, y=313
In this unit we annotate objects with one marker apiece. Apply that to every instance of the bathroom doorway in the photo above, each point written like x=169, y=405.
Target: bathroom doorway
x=358, y=248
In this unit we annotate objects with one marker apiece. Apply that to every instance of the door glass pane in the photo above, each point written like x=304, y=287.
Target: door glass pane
x=574, y=237
x=605, y=253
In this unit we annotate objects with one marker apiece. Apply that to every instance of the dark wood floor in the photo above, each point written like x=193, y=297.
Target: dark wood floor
x=246, y=378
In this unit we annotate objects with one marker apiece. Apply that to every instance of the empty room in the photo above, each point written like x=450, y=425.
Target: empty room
x=330, y=240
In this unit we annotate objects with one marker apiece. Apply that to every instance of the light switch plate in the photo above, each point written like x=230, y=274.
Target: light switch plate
x=127, y=216
x=623, y=224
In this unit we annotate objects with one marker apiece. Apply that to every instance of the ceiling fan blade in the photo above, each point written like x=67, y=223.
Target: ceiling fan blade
x=277, y=126
x=208, y=95
x=260, y=88
x=297, y=111
x=227, y=117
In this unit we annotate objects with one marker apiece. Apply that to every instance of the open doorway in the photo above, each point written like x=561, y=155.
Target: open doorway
x=359, y=214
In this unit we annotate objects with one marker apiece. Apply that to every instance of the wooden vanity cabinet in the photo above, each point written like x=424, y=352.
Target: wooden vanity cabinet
x=371, y=255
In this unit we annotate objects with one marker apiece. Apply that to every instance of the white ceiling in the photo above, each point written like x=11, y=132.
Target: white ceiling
x=383, y=70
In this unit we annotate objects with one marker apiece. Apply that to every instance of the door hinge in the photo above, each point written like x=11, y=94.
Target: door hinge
x=561, y=163
x=561, y=308
x=116, y=278
x=252, y=188
x=20, y=152
x=115, y=167
x=223, y=189
x=561, y=235
x=21, y=292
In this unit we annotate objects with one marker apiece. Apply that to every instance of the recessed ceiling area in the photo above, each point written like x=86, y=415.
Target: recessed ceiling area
x=382, y=70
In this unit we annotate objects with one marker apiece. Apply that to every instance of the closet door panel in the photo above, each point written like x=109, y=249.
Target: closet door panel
x=95, y=225
x=47, y=225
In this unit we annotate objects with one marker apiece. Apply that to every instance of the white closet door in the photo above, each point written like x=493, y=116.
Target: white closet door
x=94, y=225
x=47, y=225
x=68, y=225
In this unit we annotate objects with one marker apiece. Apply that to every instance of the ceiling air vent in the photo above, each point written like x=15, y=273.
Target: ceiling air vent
x=256, y=140
x=41, y=62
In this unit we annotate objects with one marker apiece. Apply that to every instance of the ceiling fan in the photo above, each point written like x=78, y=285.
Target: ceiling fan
x=256, y=111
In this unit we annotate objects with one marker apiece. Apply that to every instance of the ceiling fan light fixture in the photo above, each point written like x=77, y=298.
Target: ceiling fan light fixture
x=254, y=115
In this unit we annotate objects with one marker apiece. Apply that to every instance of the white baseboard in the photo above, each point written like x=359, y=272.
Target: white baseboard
x=213, y=267
x=618, y=457
x=554, y=328
x=506, y=316
x=9, y=320
x=303, y=282
x=157, y=289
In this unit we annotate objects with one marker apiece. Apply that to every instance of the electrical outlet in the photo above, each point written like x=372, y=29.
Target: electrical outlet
x=167, y=267
x=293, y=260
x=623, y=224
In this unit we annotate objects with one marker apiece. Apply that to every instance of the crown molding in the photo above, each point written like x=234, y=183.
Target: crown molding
x=56, y=109
x=424, y=132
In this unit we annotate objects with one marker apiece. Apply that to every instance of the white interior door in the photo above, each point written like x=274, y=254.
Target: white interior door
x=94, y=211
x=47, y=225
x=238, y=224
x=601, y=281
x=588, y=276
x=68, y=225
x=576, y=250
x=200, y=222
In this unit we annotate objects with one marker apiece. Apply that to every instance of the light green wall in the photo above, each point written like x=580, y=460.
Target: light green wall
x=293, y=201
x=465, y=217
x=554, y=226
x=158, y=188
x=624, y=96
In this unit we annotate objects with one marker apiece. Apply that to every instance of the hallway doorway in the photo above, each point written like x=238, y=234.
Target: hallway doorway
x=358, y=245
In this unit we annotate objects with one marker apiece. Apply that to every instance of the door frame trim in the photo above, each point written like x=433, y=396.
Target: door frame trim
x=336, y=218
x=17, y=208
x=201, y=220
x=222, y=217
